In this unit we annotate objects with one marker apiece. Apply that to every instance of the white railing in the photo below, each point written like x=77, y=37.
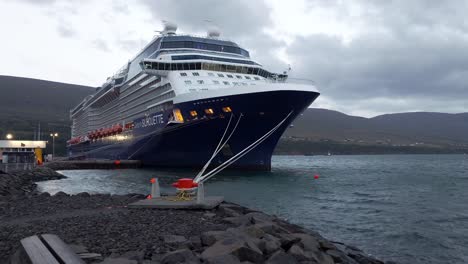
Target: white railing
x=10, y=167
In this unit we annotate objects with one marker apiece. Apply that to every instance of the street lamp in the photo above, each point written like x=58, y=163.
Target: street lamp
x=9, y=136
x=53, y=135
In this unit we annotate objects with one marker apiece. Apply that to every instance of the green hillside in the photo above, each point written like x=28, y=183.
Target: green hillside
x=25, y=102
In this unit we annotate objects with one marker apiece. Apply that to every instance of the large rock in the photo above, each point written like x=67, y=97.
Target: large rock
x=118, y=261
x=233, y=246
x=229, y=208
x=180, y=256
x=237, y=220
x=272, y=244
x=280, y=257
x=211, y=237
x=224, y=259
x=307, y=242
x=258, y=217
x=299, y=254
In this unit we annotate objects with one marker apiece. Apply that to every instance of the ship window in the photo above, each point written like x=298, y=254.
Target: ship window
x=247, y=77
x=244, y=84
x=235, y=83
x=226, y=83
x=183, y=74
x=256, y=78
x=209, y=111
x=229, y=76
x=200, y=82
x=193, y=113
x=210, y=74
x=238, y=77
x=188, y=82
x=195, y=74
x=227, y=109
x=216, y=82
x=220, y=75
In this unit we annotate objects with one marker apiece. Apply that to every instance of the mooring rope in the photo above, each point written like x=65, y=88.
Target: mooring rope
x=220, y=147
x=239, y=155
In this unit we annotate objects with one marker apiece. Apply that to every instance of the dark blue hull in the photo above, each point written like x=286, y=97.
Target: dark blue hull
x=192, y=143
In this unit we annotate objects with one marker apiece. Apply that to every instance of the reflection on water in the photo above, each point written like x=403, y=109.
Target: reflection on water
x=407, y=208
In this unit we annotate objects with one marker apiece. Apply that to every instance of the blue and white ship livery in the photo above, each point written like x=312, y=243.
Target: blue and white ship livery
x=171, y=105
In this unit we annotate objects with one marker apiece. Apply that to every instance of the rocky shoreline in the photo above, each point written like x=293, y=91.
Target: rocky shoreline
x=101, y=229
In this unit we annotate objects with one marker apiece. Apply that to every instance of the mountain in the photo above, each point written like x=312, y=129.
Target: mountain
x=426, y=129
x=25, y=102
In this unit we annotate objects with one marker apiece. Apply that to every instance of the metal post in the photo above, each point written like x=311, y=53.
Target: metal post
x=200, y=193
x=155, y=191
x=53, y=147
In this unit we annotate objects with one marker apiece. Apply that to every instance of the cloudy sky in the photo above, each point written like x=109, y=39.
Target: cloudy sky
x=366, y=57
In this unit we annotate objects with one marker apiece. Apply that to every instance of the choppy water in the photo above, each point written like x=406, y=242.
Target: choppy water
x=406, y=208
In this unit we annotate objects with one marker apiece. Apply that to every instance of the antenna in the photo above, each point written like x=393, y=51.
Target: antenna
x=213, y=30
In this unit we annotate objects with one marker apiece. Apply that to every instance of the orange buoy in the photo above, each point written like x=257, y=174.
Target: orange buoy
x=316, y=176
x=153, y=180
x=149, y=197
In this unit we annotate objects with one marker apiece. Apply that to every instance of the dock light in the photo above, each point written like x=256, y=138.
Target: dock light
x=53, y=135
x=9, y=136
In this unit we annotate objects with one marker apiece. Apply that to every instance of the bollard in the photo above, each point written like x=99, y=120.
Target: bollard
x=200, y=193
x=155, y=191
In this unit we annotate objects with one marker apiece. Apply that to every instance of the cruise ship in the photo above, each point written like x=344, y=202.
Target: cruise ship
x=185, y=100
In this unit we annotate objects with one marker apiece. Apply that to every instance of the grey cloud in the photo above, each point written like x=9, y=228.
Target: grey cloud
x=406, y=56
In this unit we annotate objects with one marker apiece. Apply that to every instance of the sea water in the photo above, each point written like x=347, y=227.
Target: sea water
x=405, y=208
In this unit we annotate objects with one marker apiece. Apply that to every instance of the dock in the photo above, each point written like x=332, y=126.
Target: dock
x=93, y=164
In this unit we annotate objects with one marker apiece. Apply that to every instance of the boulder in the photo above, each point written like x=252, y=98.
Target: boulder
x=179, y=256
x=61, y=194
x=338, y=256
x=118, y=261
x=272, y=244
x=225, y=207
x=211, y=237
x=287, y=240
x=223, y=259
x=258, y=217
x=237, y=220
x=251, y=241
x=233, y=246
x=271, y=228
x=307, y=242
x=280, y=257
x=254, y=231
x=83, y=194
x=299, y=254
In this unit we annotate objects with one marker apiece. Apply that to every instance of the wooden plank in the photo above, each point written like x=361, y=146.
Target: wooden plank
x=37, y=252
x=62, y=250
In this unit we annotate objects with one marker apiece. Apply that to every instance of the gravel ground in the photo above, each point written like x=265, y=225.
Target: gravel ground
x=102, y=223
